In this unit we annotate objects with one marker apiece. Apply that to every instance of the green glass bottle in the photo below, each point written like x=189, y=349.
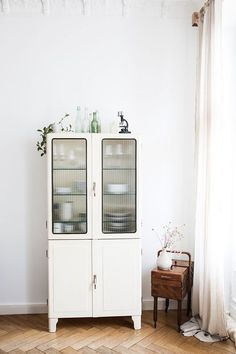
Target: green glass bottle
x=99, y=122
x=94, y=123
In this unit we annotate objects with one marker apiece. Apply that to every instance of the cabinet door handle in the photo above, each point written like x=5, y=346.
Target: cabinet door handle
x=95, y=282
x=94, y=189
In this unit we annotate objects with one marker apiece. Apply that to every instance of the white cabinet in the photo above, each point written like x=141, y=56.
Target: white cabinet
x=93, y=227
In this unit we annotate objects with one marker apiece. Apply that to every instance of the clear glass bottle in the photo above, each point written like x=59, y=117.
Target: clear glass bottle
x=78, y=121
x=86, y=121
x=114, y=127
x=90, y=121
x=94, y=123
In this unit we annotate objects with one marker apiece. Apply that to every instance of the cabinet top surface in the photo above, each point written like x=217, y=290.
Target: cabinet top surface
x=74, y=135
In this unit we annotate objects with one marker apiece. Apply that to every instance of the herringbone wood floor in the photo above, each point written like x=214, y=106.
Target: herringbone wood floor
x=28, y=333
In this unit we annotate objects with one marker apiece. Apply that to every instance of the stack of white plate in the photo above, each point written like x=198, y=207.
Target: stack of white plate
x=118, y=221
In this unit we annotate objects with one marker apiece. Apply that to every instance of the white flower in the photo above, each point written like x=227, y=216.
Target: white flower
x=170, y=236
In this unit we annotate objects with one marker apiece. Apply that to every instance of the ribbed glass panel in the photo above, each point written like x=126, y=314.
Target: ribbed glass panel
x=69, y=186
x=119, y=185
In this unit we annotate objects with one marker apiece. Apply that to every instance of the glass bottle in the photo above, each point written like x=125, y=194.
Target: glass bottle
x=114, y=127
x=86, y=121
x=90, y=121
x=94, y=123
x=99, y=122
x=78, y=121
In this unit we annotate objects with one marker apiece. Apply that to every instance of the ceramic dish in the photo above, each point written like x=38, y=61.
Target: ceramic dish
x=116, y=188
x=62, y=190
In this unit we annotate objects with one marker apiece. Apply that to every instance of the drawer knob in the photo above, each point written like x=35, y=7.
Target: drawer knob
x=165, y=277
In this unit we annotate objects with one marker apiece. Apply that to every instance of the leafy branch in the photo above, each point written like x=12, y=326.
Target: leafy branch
x=42, y=144
x=65, y=129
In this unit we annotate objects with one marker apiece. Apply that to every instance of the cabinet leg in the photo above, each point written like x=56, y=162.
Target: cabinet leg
x=179, y=313
x=167, y=305
x=155, y=311
x=137, y=322
x=52, y=324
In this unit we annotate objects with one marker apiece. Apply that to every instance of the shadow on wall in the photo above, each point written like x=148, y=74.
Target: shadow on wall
x=36, y=233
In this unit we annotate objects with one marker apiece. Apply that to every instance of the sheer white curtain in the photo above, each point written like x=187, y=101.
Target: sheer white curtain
x=229, y=85
x=212, y=195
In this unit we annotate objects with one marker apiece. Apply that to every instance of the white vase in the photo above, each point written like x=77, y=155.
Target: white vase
x=164, y=260
x=65, y=211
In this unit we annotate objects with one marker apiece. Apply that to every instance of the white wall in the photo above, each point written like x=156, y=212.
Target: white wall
x=143, y=64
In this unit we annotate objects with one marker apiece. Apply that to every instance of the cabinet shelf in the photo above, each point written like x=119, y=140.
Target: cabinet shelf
x=69, y=169
x=118, y=194
x=116, y=230
x=68, y=194
x=117, y=155
x=113, y=220
x=118, y=169
x=69, y=221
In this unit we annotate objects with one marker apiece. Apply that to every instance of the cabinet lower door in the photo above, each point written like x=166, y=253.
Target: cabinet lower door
x=70, y=278
x=117, y=267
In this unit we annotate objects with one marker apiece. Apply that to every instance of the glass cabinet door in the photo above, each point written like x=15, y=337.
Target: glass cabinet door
x=119, y=185
x=69, y=186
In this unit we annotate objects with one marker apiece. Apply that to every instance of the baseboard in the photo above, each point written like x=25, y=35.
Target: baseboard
x=32, y=308
x=22, y=309
x=147, y=304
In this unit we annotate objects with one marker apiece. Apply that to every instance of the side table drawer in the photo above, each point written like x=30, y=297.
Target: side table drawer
x=178, y=274
x=169, y=292
x=169, y=284
x=165, y=280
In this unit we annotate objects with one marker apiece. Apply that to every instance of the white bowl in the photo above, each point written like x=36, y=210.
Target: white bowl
x=117, y=188
x=62, y=190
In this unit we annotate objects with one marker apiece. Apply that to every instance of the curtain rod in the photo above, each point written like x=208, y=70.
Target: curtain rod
x=197, y=15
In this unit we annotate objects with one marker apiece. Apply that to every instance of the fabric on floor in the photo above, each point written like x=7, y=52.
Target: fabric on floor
x=231, y=328
x=193, y=328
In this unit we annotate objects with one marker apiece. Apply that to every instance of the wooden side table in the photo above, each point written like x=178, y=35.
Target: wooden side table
x=173, y=284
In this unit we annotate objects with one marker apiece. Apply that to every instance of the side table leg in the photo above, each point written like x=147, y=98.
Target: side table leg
x=167, y=305
x=155, y=311
x=179, y=313
x=189, y=302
